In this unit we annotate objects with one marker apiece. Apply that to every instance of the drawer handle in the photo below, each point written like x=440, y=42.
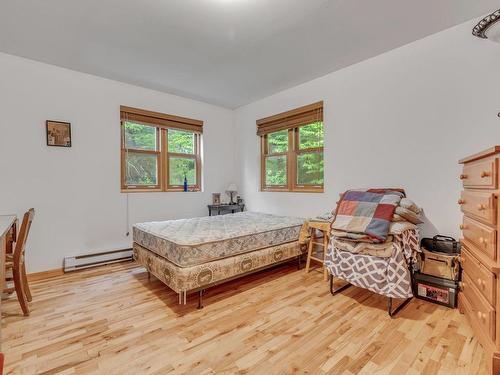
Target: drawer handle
x=485, y=174
x=482, y=241
x=463, y=226
x=463, y=176
x=481, y=316
x=481, y=207
x=461, y=201
x=481, y=283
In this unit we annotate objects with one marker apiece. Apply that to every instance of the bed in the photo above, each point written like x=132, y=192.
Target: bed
x=190, y=255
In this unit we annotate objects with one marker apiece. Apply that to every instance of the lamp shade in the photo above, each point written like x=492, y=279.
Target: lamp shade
x=232, y=187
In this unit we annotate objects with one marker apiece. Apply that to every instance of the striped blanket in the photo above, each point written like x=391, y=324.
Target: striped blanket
x=366, y=216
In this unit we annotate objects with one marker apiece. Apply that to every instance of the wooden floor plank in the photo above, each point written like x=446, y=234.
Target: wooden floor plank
x=113, y=320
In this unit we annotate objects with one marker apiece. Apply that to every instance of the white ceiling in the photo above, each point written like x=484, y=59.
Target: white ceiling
x=226, y=52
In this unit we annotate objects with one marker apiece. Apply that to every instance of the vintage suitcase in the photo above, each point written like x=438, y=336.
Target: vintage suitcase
x=441, y=291
x=442, y=265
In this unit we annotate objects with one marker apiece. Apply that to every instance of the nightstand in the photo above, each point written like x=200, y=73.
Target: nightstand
x=222, y=209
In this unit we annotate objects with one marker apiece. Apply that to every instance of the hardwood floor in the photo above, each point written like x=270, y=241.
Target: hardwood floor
x=112, y=320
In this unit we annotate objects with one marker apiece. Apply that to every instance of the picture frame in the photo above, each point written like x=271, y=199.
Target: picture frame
x=216, y=199
x=58, y=133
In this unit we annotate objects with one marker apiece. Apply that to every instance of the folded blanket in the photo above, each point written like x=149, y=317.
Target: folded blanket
x=381, y=250
x=407, y=215
x=410, y=205
x=320, y=222
x=401, y=226
x=366, y=215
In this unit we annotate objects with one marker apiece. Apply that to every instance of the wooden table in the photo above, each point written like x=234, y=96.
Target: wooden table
x=7, y=236
x=221, y=208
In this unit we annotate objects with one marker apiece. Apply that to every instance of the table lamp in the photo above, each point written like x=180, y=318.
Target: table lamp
x=232, y=189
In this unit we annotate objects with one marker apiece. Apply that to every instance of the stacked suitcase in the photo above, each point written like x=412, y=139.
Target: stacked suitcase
x=439, y=273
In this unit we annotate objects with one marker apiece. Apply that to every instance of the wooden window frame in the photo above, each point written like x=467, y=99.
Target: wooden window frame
x=124, y=151
x=290, y=121
x=313, y=188
x=196, y=156
x=291, y=164
x=163, y=155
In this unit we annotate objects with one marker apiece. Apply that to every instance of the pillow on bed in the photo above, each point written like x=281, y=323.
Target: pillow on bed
x=409, y=205
x=408, y=215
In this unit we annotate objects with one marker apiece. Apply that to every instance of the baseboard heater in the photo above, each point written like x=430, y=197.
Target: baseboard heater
x=78, y=262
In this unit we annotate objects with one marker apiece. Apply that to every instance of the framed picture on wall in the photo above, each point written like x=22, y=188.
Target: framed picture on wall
x=58, y=133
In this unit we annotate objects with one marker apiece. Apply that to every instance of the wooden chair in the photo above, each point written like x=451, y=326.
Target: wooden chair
x=16, y=263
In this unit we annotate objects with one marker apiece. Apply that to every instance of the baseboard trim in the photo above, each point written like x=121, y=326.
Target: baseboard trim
x=35, y=276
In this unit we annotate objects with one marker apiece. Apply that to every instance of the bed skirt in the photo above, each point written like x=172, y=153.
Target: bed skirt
x=183, y=279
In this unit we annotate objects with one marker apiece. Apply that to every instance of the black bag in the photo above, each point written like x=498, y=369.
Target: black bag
x=441, y=244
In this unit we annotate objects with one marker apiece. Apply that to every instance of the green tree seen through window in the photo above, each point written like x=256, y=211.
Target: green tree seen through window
x=309, y=157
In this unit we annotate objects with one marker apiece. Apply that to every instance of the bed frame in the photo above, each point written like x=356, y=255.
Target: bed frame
x=196, y=279
x=390, y=311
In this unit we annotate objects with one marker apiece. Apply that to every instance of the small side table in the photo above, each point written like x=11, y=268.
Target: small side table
x=324, y=228
x=225, y=208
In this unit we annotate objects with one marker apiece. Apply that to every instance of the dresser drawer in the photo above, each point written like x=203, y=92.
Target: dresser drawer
x=480, y=276
x=480, y=174
x=480, y=205
x=483, y=236
x=481, y=311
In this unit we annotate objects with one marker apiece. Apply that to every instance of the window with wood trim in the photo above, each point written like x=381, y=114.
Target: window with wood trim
x=292, y=150
x=159, y=151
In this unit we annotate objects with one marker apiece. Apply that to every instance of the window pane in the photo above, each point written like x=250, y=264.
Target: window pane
x=180, y=141
x=276, y=170
x=311, y=135
x=180, y=167
x=141, y=169
x=141, y=137
x=278, y=141
x=310, y=168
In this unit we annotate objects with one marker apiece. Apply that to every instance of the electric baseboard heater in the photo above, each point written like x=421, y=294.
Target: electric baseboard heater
x=78, y=262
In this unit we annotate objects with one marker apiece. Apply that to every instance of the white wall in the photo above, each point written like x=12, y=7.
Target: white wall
x=403, y=118
x=76, y=191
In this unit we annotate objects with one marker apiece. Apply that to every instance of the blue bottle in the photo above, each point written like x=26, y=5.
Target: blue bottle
x=185, y=183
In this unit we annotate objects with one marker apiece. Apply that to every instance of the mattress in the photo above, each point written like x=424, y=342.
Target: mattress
x=191, y=242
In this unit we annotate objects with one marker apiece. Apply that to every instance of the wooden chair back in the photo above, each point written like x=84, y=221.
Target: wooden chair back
x=18, y=255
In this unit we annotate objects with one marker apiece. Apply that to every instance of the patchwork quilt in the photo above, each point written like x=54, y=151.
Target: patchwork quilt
x=366, y=215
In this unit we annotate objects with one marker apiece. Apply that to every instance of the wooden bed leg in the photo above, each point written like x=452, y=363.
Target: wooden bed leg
x=299, y=262
x=200, y=299
x=149, y=276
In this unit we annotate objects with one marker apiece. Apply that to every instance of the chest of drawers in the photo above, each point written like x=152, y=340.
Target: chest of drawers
x=479, y=298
